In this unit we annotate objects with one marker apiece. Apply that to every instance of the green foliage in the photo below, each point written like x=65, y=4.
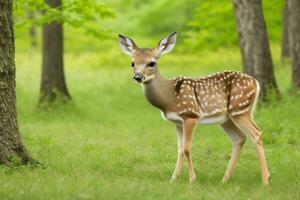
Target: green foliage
x=213, y=24
x=87, y=15
x=166, y=16
x=273, y=17
x=203, y=25
x=157, y=18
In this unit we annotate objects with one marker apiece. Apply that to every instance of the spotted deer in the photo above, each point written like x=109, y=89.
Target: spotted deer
x=226, y=98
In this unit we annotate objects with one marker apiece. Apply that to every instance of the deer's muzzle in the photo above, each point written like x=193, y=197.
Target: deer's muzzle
x=138, y=78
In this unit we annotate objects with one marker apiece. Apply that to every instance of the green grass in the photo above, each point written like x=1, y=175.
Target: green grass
x=109, y=143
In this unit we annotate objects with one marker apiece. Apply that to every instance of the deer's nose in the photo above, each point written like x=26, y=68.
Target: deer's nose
x=138, y=78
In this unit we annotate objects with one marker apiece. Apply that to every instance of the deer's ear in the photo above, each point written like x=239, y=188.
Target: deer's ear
x=166, y=44
x=127, y=45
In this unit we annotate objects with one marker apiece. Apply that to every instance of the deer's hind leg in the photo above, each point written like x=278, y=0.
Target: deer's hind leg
x=245, y=123
x=238, y=139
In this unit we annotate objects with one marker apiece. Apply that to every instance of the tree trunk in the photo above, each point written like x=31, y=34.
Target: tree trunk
x=10, y=139
x=53, y=83
x=254, y=44
x=294, y=33
x=285, y=46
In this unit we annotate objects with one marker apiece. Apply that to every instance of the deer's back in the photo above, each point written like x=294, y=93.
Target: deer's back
x=215, y=96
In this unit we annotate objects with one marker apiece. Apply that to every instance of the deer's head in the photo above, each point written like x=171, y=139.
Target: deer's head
x=144, y=60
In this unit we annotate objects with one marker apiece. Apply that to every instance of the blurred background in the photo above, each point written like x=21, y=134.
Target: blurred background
x=82, y=116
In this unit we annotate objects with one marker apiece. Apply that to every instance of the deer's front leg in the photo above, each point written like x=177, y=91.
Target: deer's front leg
x=179, y=133
x=188, y=128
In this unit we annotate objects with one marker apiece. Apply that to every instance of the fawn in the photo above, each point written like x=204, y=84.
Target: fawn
x=226, y=98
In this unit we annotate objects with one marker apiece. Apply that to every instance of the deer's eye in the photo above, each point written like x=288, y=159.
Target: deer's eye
x=132, y=64
x=151, y=64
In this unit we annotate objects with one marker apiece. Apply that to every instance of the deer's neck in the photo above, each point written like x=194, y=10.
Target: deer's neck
x=160, y=93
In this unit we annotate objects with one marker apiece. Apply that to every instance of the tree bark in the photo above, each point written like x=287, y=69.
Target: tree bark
x=10, y=139
x=254, y=44
x=285, y=46
x=294, y=34
x=53, y=83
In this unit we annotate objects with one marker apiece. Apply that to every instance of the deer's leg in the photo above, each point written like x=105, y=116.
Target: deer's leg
x=179, y=133
x=238, y=139
x=188, y=127
x=245, y=123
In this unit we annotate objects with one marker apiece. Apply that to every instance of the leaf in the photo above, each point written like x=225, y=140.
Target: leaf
x=86, y=15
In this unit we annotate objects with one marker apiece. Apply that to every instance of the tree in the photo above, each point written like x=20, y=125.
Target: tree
x=53, y=82
x=285, y=47
x=294, y=34
x=84, y=14
x=254, y=44
x=10, y=139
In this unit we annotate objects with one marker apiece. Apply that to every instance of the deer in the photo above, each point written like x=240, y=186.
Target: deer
x=227, y=99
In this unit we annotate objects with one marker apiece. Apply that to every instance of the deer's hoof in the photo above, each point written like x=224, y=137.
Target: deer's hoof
x=172, y=179
x=265, y=180
x=225, y=179
x=192, y=179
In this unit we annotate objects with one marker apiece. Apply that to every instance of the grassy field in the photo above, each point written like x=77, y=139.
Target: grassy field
x=109, y=143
